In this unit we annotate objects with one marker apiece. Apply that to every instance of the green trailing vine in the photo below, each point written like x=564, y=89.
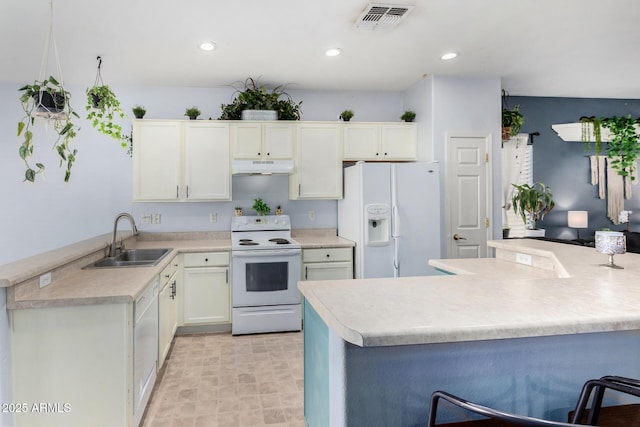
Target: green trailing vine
x=587, y=124
x=255, y=97
x=623, y=149
x=58, y=113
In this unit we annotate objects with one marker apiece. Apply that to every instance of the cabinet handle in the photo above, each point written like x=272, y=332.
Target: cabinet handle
x=177, y=192
x=206, y=260
x=298, y=190
x=328, y=255
x=306, y=272
x=377, y=154
x=167, y=276
x=259, y=154
x=187, y=191
x=268, y=154
x=227, y=275
x=173, y=290
x=175, y=265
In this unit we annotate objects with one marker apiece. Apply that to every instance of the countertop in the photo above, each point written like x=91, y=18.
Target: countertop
x=565, y=291
x=72, y=285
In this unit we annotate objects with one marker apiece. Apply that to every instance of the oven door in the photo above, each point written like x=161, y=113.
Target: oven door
x=266, y=277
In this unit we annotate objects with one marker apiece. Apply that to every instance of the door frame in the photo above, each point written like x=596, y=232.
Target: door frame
x=449, y=180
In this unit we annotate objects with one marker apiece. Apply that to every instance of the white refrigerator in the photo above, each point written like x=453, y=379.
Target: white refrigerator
x=392, y=212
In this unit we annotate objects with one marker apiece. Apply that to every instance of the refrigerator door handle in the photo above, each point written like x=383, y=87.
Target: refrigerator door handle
x=395, y=222
x=396, y=260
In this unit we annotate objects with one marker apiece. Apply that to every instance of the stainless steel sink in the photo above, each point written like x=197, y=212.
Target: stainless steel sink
x=131, y=258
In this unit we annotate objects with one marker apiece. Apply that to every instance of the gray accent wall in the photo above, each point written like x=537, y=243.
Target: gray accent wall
x=564, y=166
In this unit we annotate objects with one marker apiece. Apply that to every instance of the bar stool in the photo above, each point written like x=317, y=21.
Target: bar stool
x=494, y=417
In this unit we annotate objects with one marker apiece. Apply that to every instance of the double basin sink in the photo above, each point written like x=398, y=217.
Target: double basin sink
x=131, y=258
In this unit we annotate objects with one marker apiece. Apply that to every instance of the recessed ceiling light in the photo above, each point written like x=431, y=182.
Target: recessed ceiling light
x=448, y=56
x=334, y=51
x=207, y=45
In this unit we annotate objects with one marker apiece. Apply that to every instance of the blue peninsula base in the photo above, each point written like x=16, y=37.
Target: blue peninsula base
x=348, y=385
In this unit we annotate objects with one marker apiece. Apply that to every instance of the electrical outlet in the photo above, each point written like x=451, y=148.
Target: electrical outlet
x=45, y=279
x=213, y=217
x=523, y=259
x=157, y=219
x=312, y=215
x=146, y=219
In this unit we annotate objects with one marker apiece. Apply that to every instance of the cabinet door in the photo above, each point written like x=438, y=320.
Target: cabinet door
x=167, y=320
x=328, y=271
x=399, y=142
x=156, y=160
x=206, y=295
x=278, y=141
x=318, y=162
x=361, y=141
x=207, y=172
x=246, y=140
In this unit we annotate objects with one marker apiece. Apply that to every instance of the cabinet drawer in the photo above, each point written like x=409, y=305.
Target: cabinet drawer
x=326, y=254
x=168, y=271
x=206, y=259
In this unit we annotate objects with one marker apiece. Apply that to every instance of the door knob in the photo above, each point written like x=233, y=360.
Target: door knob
x=458, y=237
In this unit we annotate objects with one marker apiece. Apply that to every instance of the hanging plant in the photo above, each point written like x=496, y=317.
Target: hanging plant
x=47, y=98
x=622, y=149
x=103, y=108
x=591, y=127
x=254, y=97
x=512, y=119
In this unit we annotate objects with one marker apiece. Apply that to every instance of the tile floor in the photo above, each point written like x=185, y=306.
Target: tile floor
x=216, y=380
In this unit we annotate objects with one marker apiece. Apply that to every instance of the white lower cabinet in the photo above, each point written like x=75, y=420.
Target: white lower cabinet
x=75, y=365
x=327, y=264
x=168, y=309
x=207, y=289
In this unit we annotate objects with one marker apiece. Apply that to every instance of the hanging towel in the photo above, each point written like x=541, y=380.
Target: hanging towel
x=628, y=181
x=602, y=181
x=615, y=194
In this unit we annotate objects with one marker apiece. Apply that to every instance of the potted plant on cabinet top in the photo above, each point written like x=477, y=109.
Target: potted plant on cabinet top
x=512, y=121
x=408, y=116
x=346, y=115
x=192, y=113
x=139, y=111
x=532, y=202
x=260, y=207
x=47, y=98
x=255, y=100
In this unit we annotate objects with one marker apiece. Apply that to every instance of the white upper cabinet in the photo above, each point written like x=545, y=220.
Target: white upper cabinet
x=156, y=169
x=380, y=141
x=262, y=141
x=318, y=170
x=207, y=174
x=181, y=161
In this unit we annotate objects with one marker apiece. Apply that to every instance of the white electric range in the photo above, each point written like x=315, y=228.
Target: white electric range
x=266, y=268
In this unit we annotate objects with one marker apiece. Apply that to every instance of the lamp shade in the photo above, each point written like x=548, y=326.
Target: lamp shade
x=578, y=219
x=610, y=242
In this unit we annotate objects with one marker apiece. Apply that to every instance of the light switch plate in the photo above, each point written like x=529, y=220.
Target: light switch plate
x=45, y=279
x=523, y=259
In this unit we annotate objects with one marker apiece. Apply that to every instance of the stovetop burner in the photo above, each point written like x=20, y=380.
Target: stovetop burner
x=245, y=240
x=280, y=241
x=248, y=242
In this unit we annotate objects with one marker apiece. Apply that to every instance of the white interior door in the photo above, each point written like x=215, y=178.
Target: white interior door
x=468, y=195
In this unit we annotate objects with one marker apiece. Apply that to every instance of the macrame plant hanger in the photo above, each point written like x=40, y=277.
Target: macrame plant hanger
x=43, y=111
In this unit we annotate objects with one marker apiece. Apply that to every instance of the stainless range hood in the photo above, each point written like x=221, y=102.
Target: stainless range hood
x=261, y=167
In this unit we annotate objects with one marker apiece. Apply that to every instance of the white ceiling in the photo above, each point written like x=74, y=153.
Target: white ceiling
x=581, y=48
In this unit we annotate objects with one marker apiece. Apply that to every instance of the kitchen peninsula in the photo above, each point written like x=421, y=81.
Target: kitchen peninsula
x=519, y=332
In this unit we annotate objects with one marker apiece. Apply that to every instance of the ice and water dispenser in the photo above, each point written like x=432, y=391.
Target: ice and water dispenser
x=377, y=231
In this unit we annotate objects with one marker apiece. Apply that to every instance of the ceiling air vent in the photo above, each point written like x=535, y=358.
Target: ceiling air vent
x=381, y=17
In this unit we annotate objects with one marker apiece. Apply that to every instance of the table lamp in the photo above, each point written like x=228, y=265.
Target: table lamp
x=610, y=243
x=578, y=220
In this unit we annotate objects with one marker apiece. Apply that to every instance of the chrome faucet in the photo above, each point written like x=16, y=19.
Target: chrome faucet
x=134, y=230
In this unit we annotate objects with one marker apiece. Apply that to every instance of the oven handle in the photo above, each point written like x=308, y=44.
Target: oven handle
x=266, y=253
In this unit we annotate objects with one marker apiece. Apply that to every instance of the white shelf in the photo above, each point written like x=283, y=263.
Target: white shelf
x=572, y=132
